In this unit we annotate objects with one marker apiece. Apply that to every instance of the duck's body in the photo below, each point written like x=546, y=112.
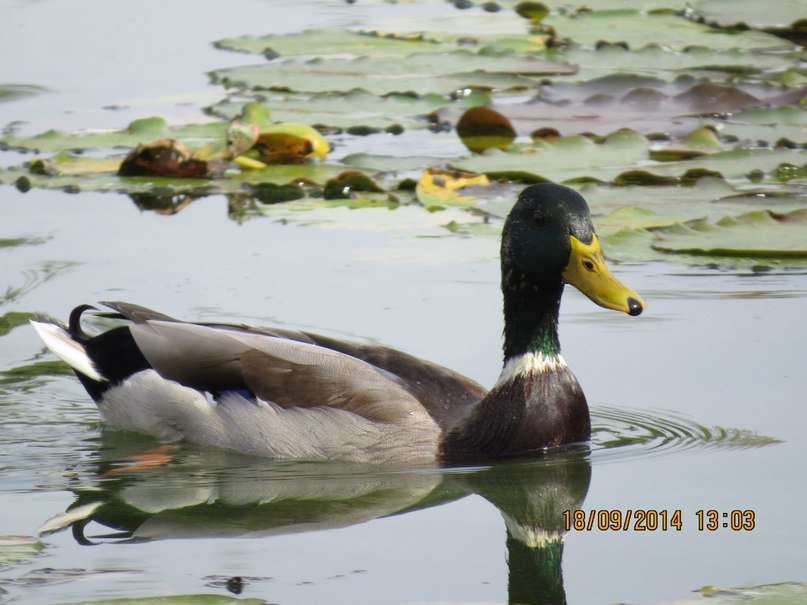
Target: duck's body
x=289, y=394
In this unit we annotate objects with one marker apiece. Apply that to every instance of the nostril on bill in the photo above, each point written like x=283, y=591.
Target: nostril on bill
x=635, y=306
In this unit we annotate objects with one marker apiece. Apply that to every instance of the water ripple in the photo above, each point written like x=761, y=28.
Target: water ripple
x=620, y=433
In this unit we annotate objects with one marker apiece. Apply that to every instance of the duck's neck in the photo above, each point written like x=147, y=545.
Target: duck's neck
x=537, y=402
x=530, y=319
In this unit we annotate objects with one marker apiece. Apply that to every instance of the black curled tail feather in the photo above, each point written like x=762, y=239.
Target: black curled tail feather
x=74, y=323
x=114, y=353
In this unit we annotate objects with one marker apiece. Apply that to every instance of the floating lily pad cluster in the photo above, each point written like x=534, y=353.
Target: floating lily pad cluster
x=685, y=124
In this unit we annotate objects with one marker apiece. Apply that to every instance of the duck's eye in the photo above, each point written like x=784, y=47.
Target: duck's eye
x=588, y=265
x=539, y=219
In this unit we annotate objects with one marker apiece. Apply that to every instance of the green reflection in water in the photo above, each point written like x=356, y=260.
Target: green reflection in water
x=181, y=493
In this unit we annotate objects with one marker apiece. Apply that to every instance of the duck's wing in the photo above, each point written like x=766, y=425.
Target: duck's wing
x=445, y=394
x=286, y=372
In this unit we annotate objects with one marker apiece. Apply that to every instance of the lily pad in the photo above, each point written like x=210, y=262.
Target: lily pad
x=445, y=24
x=361, y=42
x=83, y=173
x=444, y=187
x=734, y=165
x=568, y=159
x=327, y=42
x=138, y=132
x=390, y=163
x=418, y=74
x=767, y=125
x=669, y=65
x=772, y=15
x=758, y=234
x=638, y=29
x=353, y=109
x=649, y=105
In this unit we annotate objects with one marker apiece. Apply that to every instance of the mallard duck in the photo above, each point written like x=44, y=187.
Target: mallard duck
x=293, y=394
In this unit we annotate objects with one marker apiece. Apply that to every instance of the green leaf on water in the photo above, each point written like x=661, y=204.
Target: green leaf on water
x=757, y=234
x=638, y=29
x=734, y=165
x=353, y=110
x=325, y=42
x=771, y=15
x=137, y=132
x=417, y=74
x=568, y=159
x=650, y=105
x=766, y=125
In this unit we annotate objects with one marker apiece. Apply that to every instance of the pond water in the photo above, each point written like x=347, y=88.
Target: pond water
x=698, y=404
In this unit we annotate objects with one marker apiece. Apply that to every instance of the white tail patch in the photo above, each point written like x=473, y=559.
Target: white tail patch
x=66, y=349
x=529, y=363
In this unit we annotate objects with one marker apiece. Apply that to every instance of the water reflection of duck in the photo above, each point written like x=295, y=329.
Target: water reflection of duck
x=287, y=394
x=208, y=494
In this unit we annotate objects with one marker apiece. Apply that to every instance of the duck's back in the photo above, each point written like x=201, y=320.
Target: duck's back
x=263, y=391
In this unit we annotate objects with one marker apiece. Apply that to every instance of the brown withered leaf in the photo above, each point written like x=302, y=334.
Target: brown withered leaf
x=165, y=158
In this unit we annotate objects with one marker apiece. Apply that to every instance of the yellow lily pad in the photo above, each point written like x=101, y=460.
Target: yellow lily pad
x=438, y=187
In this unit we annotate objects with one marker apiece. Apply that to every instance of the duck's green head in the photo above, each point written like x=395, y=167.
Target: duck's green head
x=548, y=239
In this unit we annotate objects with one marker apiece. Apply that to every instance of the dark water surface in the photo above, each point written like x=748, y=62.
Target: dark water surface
x=698, y=404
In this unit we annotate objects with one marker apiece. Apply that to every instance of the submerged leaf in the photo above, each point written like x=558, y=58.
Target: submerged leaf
x=13, y=319
x=12, y=92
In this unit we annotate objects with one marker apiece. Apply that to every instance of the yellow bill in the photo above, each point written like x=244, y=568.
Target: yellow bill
x=588, y=273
